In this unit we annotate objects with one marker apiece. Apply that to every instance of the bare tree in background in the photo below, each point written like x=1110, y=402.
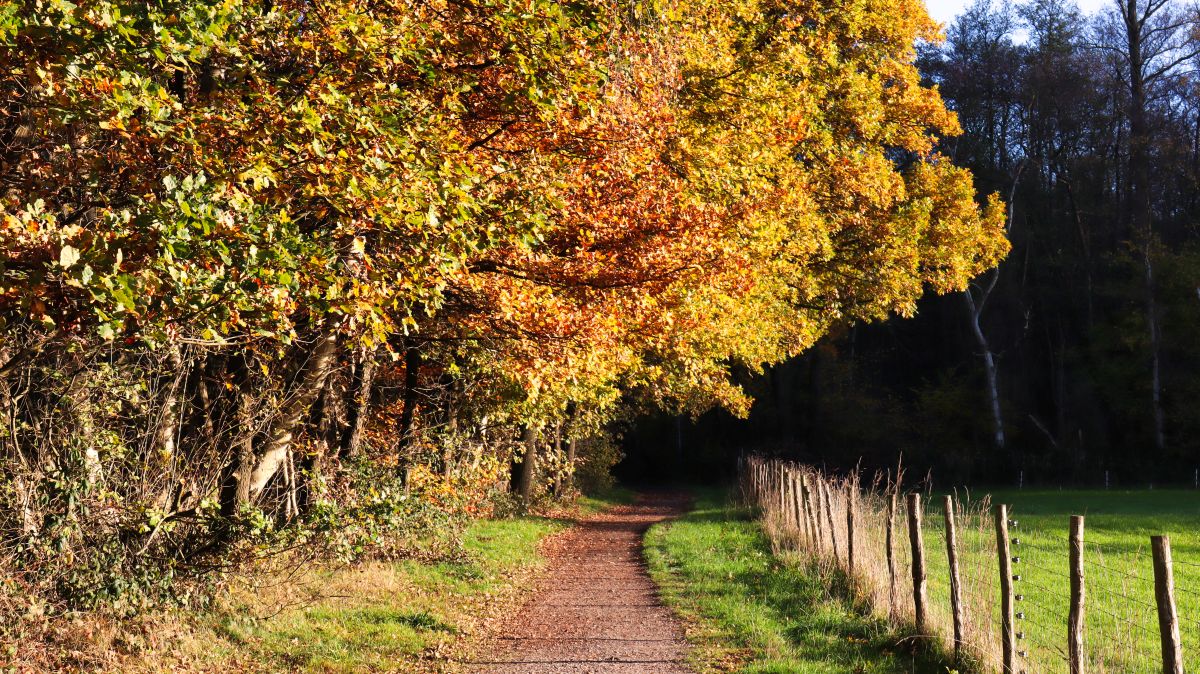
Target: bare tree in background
x=1153, y=43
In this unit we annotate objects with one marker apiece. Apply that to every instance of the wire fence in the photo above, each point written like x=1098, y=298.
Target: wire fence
x=1124, y=602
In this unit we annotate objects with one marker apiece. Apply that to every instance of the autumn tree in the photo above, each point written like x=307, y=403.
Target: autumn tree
x=263, y=219
x=1043, y=94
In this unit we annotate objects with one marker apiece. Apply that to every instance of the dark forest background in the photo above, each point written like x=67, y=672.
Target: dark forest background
x=1089, y=126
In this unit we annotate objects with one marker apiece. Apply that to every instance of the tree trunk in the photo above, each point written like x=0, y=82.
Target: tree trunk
x=1140, y=218
x=975, y=311
x=235, y=484
x=297, y=403
x=165, y=460
x=572, y=446
x=205, y=409
x=528, y=480
x=558, y=445
x=989, y=366
x=329, y=419
x=330, y=412
x=164, y=435
x=360, y=405
x=1160, y=440
x=85, y=427
x=451, y=437
x=412, y=367
x=1086, y=247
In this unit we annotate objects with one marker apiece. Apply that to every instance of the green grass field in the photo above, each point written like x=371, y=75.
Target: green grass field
x=1121, y=629
x=751, y=612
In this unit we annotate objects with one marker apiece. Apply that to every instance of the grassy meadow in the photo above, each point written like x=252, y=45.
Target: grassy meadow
x=1121, y=628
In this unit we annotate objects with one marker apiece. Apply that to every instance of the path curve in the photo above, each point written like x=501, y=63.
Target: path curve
x=595, y=609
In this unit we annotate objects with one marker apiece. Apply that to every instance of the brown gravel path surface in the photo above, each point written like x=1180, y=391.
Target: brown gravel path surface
x=595, y=609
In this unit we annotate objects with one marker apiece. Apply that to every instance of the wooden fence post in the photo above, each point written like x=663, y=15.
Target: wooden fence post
x=1075, y=616
x=776, y=492
x=763, y=486
x=851, y=490
x=793, y=506
x=772, y=485
x=819, y=494
x=798, y=511
x=1164, y=596
x=781, y=498
x=768, y=483
x=802, y=500
x=827, y=490
x=918, y=562
x=813, y=496
x=765, y=473
x=764, y=501
x=891, y=553
x=765, y=481
x=756, y=481
x=1008, y=641
x=956, y=604
x=785, y=494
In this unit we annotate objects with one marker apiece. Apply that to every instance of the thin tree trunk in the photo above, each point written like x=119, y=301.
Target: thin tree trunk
x=205, y=406
x=975, y=311
x=1160, y=441
x=290, y=507
x=412, y=367
x=1140, y=217
x=571, y=452
x=989, y=367
x=328, y=417
x=528, y=479
x=360, y=408
x=235, y=485
x=451, y=437
x=166, y=431
x=1086, y=244
x=558, y=445
x=164, y=435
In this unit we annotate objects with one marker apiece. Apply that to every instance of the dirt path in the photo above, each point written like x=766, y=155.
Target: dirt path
x=595, y=610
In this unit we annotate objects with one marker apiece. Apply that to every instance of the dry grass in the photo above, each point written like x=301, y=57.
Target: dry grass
x=817, y=528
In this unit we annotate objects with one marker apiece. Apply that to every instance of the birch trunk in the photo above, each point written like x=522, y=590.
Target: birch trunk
x=989, y=367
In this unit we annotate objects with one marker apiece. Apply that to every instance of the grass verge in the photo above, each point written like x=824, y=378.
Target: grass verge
x=751, y=612
x=381, y=616
x=404, y=616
